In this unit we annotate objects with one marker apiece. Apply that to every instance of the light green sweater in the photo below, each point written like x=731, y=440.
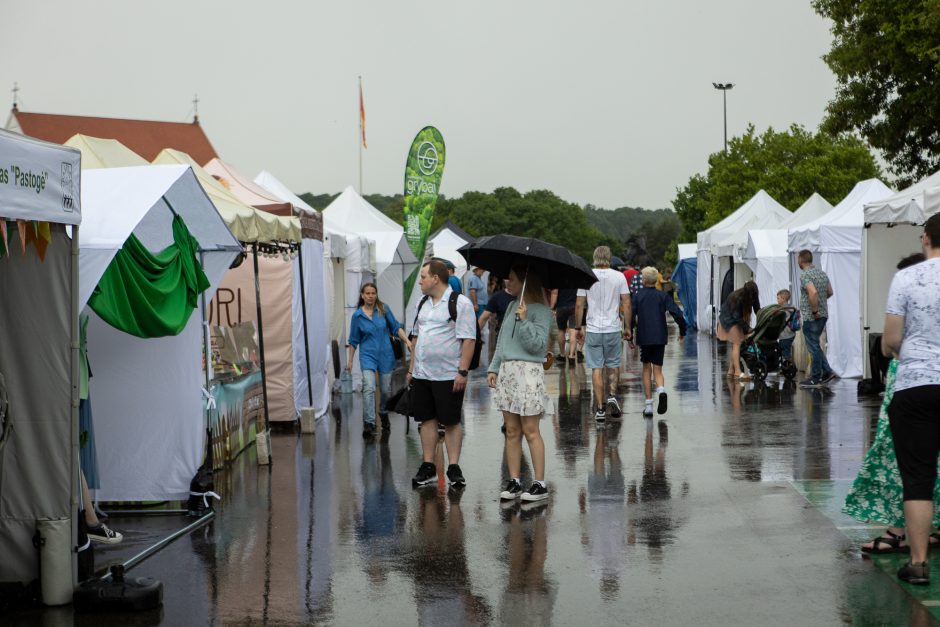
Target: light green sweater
x=522, y=340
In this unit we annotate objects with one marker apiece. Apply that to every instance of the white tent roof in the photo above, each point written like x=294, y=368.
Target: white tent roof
x=815, y=207
x=839, y=230
x=760, y=211
x=273, y=186
x=687, y=251
x=104, y=153
x=42, y=180
x=351, y=213
x=912, y=205
x=141, y=200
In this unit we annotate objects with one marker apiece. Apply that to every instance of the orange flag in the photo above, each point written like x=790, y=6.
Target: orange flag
x=3, y=234
x=362, y=116
x=21, y=229
x=43, y=237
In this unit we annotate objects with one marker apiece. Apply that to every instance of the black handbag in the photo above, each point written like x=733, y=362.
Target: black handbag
x=398, y=349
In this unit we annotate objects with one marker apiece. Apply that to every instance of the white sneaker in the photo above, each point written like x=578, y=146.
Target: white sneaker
x=613, y=407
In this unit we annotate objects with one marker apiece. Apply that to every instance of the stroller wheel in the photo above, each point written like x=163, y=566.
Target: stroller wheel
x=759, y=371
x=788, y=370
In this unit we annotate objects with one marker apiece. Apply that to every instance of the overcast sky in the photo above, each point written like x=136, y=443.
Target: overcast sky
x=609, y=103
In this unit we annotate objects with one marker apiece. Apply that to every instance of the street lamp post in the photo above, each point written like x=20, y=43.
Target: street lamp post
x=724, y=87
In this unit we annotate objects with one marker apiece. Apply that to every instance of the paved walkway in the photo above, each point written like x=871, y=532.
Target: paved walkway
x=722, y=512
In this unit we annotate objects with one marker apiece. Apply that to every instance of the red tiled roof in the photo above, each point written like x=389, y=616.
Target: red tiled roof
x=145, y=137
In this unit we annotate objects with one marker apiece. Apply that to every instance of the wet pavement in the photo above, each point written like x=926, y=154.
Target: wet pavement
x=723, y=511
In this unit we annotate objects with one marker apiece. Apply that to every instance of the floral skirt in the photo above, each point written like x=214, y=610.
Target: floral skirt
x=877, y=495
x=520, y=389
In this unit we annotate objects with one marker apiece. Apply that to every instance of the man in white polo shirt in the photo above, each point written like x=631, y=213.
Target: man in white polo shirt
x=608, y=305
x=438, y=370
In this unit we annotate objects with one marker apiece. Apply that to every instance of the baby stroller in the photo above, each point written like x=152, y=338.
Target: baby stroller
x=760, y=350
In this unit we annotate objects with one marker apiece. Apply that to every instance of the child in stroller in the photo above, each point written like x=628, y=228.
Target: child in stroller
x=760, y=351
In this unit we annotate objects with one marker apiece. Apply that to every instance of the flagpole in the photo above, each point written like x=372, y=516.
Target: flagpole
x=360, y=135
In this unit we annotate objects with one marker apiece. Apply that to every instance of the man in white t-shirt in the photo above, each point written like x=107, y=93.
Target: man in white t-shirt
x=912, y=333
x=608, y=305
x=438, y=370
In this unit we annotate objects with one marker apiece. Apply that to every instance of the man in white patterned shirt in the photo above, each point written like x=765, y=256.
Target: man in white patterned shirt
x=446, y=335
x=912, y=334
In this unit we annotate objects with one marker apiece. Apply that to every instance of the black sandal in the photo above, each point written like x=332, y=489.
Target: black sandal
x=891, y=540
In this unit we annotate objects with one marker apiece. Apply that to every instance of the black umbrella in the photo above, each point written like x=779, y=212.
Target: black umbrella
x=556, y=265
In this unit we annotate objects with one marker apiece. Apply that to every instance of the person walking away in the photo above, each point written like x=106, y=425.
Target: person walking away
x=372, y=326
x=608, y=308
x=734, y=323
x=912, y=333
x=786, y=337
x=518, y=377
x=566, y=300
x=438, y=371
x=876, y=494
x=495, y=310
x=477, y=291
x=815, y=291
x=629, y=274
x=649, y=319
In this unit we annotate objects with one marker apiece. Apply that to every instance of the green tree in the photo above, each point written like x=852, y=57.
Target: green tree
x=789, y=165
x=886, y=58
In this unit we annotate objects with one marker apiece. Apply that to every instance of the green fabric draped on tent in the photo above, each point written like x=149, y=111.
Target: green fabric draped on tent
x=151, y=295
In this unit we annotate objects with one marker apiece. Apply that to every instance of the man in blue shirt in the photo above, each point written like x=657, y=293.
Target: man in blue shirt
x=452, y=280
x=476, y=290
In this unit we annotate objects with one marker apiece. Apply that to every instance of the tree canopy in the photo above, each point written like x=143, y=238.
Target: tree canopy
x=789, y=165
x=886, y=58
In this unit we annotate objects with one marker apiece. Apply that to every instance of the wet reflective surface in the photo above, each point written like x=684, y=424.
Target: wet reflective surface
x=723, y=511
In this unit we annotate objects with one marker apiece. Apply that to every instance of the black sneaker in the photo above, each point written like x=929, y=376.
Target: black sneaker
x=386, y=425
x=661, y=408
x=368, y=430
x=103, y=534
x=427, y=474
x=536, y=492
x=915, y=574
x=455, y=476
x=613, y=407
x=512, y=492
x=811, y=383
x=829, y=377
x=600, y=415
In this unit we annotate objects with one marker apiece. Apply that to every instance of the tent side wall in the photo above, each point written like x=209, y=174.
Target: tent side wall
x=317, y=330
x=35, y=360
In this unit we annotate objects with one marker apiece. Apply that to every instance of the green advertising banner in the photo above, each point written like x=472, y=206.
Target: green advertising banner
x=423, y=172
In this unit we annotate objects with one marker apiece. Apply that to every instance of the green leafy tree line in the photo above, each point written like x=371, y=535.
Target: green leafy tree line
x=541, y=214
x=789, y=165
x=886, y=58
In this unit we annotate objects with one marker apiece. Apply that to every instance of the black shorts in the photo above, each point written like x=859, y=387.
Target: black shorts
x=652, y=354
x=565, y=318
x=914, y=415
x=436, y=400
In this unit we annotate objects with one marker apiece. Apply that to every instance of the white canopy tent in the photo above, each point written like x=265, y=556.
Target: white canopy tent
x=317, y=307
x=146, y=394
x=716, y=250
x=766, y=250
x=394, y=261
x=835, y=239
x=39, y=360
x=892, y=231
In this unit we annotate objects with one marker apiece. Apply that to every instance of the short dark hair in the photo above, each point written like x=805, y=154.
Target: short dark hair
x=911, y=260
x=932, y=229
x=439, y=269
x=806, y=256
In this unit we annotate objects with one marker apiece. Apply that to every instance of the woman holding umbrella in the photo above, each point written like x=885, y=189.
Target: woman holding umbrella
x=517, y=375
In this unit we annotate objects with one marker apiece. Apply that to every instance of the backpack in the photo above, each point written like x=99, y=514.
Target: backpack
x=452, y=309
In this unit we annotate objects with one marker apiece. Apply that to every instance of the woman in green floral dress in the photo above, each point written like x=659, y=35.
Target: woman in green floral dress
x=877, y=493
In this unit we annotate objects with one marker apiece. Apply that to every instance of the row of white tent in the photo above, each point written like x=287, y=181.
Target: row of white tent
x=154, y=439
x=857, y=243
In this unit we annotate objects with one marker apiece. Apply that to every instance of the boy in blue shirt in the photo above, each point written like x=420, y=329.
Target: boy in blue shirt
x=649, y=319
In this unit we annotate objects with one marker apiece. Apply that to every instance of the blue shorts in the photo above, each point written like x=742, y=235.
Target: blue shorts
x=603, y=350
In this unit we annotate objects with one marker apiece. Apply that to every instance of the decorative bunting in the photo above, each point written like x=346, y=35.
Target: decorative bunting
x=21, y=229
x=4, y=246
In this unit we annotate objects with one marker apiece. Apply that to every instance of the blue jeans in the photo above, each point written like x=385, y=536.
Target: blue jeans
x=786, y=348
x=368, y=394
x=812, y=329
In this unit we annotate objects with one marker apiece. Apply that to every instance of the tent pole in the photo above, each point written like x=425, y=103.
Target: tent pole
x=75, y=355
x=303, y=311
x=264, y=376
x=207, y=352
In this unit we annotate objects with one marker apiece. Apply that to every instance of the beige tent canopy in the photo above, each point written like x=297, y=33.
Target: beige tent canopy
x=104, y=153
x=247, y=223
